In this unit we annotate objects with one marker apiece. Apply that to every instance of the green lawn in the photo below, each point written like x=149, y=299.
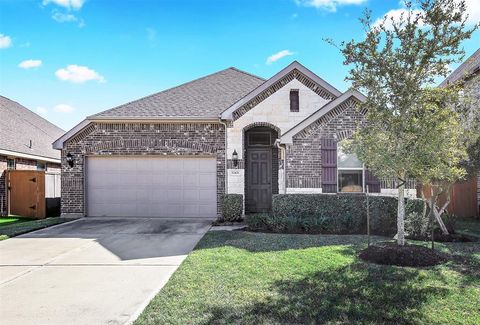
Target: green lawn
x=469, y=226
x=11, y=219
x=255, y=278
x=18, y=226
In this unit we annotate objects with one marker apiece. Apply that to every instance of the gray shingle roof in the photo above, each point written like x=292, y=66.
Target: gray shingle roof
x=471, y=65
x=205, y=97
x=18, y=126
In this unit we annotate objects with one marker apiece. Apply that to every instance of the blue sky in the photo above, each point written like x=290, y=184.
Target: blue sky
x=67, y=59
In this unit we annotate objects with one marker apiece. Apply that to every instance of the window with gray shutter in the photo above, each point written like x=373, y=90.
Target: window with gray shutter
x=329, y=165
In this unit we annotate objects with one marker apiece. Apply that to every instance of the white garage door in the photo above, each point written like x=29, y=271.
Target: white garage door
x=151, y=187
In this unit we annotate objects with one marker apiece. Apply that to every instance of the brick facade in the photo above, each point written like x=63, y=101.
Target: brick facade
x=304, y=161
x=160, y=139
x=20, y=164
x=271, y=109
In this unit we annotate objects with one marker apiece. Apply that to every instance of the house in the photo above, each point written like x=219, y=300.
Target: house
x=25, y=144
x=173, y=153
x=465, y=195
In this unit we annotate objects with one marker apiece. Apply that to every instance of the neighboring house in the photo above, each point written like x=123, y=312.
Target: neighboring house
x=468, y=74
x=172, y=154
x=25, y=143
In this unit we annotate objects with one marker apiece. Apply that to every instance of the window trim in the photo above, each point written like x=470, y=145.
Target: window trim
x=346, y=169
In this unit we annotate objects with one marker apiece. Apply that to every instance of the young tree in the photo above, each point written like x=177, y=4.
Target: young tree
x=395, y=63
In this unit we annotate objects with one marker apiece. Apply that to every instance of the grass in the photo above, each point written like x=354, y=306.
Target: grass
x=11, y=219
x=258, y=278
x=22, y=226
x=468, y=226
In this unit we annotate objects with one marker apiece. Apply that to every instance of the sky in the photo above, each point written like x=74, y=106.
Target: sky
x=68, y=59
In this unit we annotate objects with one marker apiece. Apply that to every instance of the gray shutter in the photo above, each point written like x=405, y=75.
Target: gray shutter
x=372, y=182
x=329, y=165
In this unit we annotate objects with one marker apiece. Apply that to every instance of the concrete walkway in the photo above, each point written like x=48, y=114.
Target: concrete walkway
x=91, y=271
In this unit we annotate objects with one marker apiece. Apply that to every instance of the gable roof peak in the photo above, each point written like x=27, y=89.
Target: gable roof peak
x=327, y=89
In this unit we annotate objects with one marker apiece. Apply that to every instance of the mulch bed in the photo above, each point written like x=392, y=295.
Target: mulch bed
x=450, y=238
x=389, y=253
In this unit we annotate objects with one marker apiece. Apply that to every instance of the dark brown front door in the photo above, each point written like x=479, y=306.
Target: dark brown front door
x=259, y=180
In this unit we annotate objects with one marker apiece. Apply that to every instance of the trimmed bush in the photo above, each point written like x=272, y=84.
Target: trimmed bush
x=232, y=207
x=417, y=225
x=331, y=214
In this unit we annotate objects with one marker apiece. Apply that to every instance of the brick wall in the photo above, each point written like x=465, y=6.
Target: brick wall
x=177, y=139
x=25, y=164
x=273, y=110
x=53, y=168
x=304, y=161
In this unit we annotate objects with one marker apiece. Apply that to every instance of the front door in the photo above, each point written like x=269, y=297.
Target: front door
x=259, y=180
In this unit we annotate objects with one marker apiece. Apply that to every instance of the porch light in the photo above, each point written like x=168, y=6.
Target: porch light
x=235, y=158
x=69, y=159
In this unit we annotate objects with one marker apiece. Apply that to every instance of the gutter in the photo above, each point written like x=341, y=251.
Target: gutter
x=29, y=156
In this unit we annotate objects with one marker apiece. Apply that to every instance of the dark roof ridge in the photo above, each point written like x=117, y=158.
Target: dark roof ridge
x=247, y=73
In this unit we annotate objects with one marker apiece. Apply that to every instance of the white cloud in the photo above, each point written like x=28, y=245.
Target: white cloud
x=69, y=4
x=78, y=74
x=63, y=17
x=28, y=64
x=41, y=110
x=5, y=41
x=473, y=11
x=329, y=5
x=277, y=56
x=63, y=108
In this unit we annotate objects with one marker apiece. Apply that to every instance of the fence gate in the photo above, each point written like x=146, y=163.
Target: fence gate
x=26, y=193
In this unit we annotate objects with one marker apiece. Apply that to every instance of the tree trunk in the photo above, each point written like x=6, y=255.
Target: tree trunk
x=437, y=213
x=401, y=213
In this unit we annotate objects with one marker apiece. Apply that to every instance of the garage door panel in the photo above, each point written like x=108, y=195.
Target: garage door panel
x=206, y=180
x=151, y=187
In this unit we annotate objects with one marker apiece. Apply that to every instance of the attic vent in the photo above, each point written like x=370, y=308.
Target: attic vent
x=294, y=101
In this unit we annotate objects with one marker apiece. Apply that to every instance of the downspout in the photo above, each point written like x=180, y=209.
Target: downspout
x=283, y=147
x=226, y=157
x=283, y=153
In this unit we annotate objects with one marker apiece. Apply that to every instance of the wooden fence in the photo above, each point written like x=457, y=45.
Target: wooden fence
x=33, y=194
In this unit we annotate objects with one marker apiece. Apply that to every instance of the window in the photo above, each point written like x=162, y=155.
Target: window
x=11, y=164
x=294, y=101
x=40, y=165
x=350, y=172
x=259, y=139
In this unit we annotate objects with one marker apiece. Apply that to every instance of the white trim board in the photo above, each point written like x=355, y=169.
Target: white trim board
x=28, y=156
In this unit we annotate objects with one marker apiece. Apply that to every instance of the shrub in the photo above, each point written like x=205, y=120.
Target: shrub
x=331, y=214
x=258, y=222
x=232, y=207
x=417, y=225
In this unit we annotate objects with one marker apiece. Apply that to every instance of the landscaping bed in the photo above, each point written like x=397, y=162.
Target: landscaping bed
x=389, y=253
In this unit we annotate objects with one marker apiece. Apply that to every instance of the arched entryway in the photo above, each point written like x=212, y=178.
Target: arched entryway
x=261, y=168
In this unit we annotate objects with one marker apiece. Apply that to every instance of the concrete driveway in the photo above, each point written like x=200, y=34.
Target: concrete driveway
x=92, y=270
